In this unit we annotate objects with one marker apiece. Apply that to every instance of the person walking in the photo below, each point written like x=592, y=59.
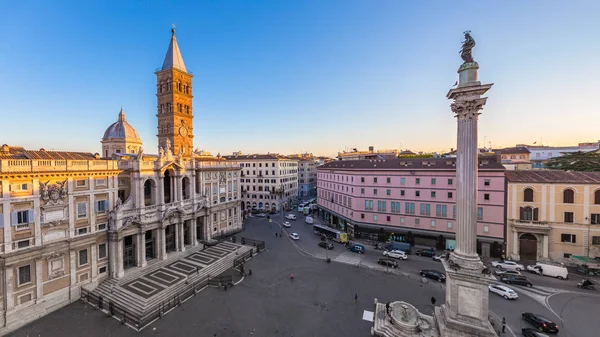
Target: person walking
x=503, y=324
x=355, y=298
x=433, y=301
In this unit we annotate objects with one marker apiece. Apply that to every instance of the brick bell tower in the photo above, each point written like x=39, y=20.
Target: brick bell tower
x=174, y=96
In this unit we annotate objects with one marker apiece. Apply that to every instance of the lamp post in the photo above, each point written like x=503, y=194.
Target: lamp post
x=282, y=191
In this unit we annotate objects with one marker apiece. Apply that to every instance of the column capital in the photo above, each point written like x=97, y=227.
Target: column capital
x=468, y=109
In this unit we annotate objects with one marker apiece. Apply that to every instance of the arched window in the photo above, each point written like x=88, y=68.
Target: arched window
x=528, y=214
x=512, y=157
x=148, y=192
x=597, y=197
x=568, y=196
x=528, y=195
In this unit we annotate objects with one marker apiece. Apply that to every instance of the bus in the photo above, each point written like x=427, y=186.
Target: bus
x=331, y=233
x=301, y=207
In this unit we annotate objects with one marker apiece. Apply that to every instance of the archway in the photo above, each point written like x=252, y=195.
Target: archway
x=274, y=206
x=243, y=205
x=528, y=247
x=149, y=188
x=260, y=205
x=186, y=187
x=167, y=187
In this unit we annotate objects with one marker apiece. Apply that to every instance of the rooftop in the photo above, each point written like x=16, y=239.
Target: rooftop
x=173, y=59
x=406, y=164
x=553, y=177
x=518, y=149
x=18, y=152
x=268, y=156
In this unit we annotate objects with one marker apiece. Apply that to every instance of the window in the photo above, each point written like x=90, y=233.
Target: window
x=528, y=195
x=381, y=205
x=362, y=191
x=479, y=213
x=569, y=217
x=19, y=187
x=417, y=221
x=596, y=240
x=362, y=215
x=388, y=218
x=83, y=257
x=101, y=251
x=486, y=182
x=433, y=194
x=23, y=244
x=528, y=214
x=417, y=181
x=432, y=181
x=101, y=206
x=102, y=270
x=409, y=208
x=24, y=274
x=374, y=217
x=569, y=238
x=362, y=179
x=432, y=223
x=402, y=220
x=486, y=228
x=101, y=182
x=486, y=196
x=389, y=180
x=82, y=182
x=449, y=225
x=388, y=192
x=595, y=219
x=369, y=205
x=22, y=217
x=454, y=212
x=449, y=181
x=214, y=217
x=417, y=193
x=568, y=196
x=402, y=181
x=449, y=195
x=375, y=191
x=597, y=197
x=81, y=210
x=375, y=179
x=81, y=231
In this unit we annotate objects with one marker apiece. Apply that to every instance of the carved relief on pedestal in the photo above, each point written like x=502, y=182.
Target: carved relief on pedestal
x=56, y=265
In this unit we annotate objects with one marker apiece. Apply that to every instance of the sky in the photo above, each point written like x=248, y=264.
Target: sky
x=300, y=76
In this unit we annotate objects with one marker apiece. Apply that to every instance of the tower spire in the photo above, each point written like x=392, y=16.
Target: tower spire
x=173, y=59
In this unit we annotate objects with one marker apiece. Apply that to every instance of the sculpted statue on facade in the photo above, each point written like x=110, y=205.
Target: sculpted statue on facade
x=53, y=194
x=467, y=47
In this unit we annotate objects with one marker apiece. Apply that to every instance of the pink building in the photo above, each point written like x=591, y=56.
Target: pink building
x=412, y=198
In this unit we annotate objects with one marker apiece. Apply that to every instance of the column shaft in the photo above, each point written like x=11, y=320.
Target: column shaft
x=141, y=251
x=39, y=281
x=120, y=266
x=193, y=232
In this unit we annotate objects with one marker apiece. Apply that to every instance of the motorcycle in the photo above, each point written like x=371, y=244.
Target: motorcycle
x=586, y=284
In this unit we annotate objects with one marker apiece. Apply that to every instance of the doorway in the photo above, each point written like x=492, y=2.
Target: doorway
x=528, y=247
x=150, y=245
x=128, y=252
x=200, y=229
x=170, y=238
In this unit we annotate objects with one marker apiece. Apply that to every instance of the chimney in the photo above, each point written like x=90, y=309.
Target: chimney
x=371, y=149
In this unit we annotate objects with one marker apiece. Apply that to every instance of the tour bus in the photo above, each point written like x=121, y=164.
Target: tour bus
x=331, y=233
x=301, y=207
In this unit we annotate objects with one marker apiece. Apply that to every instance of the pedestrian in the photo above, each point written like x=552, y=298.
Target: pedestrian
x=503, y=324
x=275, y=234
x=387, y=308
x=292, y=277
x=356, y=298
x=432, y=300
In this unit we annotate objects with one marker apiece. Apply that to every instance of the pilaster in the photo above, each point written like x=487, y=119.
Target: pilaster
x=39, y=281
x=72, y=267
x=72, y=209
x=141, y=251
x=162, y=248
x=119, y=260
x=94, y=260
x=194, y=232
x=10, y=287
x=7, y=225
x=161, y=192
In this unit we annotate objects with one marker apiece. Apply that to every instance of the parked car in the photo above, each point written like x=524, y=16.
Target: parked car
x=530, y=332
x=439, y=257
x=508, y=265
x=397, y=254
x=290, y=216
x=549, y=268
x=434, y=275
x=507, y=272
x=503, y=291
x=295, y=236
x=518, y=280
x=261, y=215
x=287, y=224
x=388, y=262
x=326, y=245
x=540, y=322
x=425, y=252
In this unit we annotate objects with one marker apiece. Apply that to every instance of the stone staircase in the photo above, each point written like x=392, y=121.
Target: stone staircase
x=139, y=306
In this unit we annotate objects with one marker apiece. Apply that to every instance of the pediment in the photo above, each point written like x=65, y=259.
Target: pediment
x=171, y=164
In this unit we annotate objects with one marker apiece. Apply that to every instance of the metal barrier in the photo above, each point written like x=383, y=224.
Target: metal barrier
x=260, y=245
x=241, y=259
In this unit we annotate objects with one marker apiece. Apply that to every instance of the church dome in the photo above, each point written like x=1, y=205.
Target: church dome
x=121, y=130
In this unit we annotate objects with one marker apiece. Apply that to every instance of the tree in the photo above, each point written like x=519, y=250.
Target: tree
x=576, y=161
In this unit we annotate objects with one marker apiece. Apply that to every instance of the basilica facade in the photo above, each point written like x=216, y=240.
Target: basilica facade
x=71, y=220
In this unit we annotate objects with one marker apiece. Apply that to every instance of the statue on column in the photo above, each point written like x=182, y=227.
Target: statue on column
x=168, y=146
x=467, y=47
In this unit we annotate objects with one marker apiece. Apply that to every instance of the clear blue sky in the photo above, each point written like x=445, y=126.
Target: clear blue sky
x=305, y=75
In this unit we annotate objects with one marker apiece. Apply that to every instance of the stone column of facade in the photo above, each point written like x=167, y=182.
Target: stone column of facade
x=73, y=211
x=7, y=225
x=141, y=251
x=94, y=254
x=179, y=184
x=177, y=243
x=515, y=251
x=162, y=248
x=181, y=235
x=38, y=216
x=194, y=232
x=10, y=287
x=161, y=192
x=39, y=280
x=465, y=312
x=120, y=266
x=72, y=271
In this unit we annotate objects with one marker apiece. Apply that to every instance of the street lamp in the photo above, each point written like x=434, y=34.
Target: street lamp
x=282, y=191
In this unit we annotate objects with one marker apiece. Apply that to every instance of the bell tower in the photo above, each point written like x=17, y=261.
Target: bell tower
x=174, y=108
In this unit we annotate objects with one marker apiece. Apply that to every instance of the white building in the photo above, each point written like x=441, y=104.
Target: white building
x=268, y=181
x=307, y=174
x=540, y=154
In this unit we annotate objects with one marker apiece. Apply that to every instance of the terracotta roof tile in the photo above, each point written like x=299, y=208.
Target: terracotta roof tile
x=553, y=177
x=17, y=152
x=407, y=164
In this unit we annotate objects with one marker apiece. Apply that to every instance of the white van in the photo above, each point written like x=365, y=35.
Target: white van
x=550, y=268
x=301, y=207
x=309, y=220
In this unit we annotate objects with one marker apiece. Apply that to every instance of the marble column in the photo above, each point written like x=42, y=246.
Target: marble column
x=515, y=243
x=120, y=266
x=39, y=281
x=545, y=248
x=73, y=267
x=10, y=287
x=177, y=243
x=94, y=260
x=181, y=237
x=161, y=191
x=141, y=251
x=161, y=244
x=193, y=232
